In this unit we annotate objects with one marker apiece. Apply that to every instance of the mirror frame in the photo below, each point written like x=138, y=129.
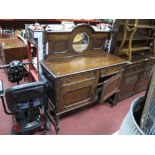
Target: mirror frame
x=78, y=29
x=84, y=49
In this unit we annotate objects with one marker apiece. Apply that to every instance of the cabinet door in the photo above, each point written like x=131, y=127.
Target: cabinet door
x=128, y=84
x=110, y=87
x=143, y=81
x=77, y=95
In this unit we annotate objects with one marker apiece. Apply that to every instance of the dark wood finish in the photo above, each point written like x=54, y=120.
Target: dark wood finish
x=72, y=65
x=78, y=93
x=135, y=79
x=134, y=38
x=111, y=70
x=76, y=78
x=140, y=42
x=12, y=48
x=65, y=39
x=110, y=87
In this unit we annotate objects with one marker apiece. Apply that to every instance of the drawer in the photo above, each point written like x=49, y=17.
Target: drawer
x=149, y=64
x=78, y=78
x=134, y=68
x=111, y=70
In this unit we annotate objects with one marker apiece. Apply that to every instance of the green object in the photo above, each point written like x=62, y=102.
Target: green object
x=108, y=20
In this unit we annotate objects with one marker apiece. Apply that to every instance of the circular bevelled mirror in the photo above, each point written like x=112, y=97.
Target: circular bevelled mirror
x=80, y=42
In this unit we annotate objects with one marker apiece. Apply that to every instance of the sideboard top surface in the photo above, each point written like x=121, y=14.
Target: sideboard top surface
x=72, y=65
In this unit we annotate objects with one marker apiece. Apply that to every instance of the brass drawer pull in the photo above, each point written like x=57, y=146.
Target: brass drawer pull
x=69, y=79
x=90, y=74
x=120, y=69
x=105, y=71
x=151, y=63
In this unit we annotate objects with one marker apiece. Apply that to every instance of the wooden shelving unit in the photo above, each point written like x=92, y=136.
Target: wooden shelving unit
x=137, y=38
x=134, y=39
x=142, y=26
x=138, y=48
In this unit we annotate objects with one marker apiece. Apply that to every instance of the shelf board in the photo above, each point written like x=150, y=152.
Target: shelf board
x=134, y=39
x=143, y=26
x=136, y=49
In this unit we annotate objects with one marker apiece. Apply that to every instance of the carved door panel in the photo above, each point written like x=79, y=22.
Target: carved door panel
x=77, y=94
x=143, y=81
x=127, y=87
x=110, y=87
x=144, y=76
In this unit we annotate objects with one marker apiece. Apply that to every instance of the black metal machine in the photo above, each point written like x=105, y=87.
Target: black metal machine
x=15, y=70
x=26, y=102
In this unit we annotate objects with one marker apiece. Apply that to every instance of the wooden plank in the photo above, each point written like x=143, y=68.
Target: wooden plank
x=150, y=98
x=136, y=49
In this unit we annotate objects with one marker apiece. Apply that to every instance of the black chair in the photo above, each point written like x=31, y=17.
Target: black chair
x=27, y=104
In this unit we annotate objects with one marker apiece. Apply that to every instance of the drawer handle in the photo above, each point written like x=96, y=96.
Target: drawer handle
x=151, y=63
x=90, y=74
x=105, y=71
x=69, y=79
x=120, y=69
